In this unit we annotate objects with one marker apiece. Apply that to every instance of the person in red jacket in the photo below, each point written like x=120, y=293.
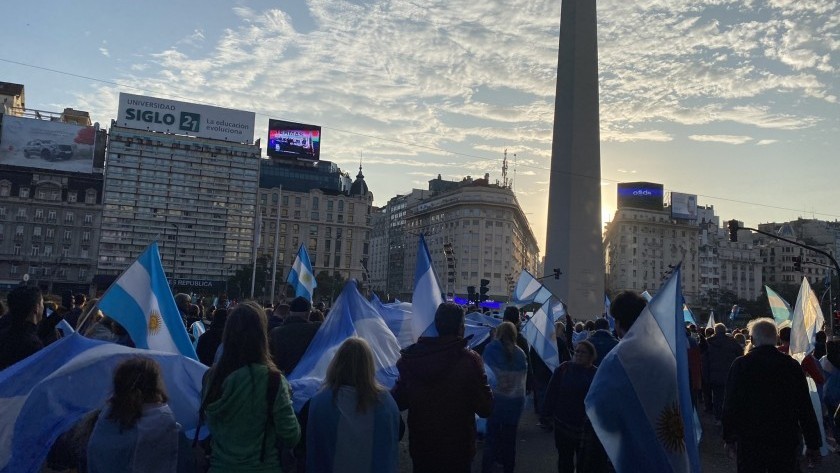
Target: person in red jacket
x=810, y=365
x=443, y=385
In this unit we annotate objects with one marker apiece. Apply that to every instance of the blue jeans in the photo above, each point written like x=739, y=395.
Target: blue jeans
x=499, y=446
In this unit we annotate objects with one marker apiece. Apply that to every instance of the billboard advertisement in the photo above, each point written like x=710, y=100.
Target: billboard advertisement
x=640, y=195
x=181, y=118
x=30, y=142
x=683, y=206
x=293, y=140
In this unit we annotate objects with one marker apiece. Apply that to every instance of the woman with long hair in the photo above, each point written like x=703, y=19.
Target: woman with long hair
x=236, y=399
x=564, y=403
x=509, y=366
x=354, y=423
x=136, y=431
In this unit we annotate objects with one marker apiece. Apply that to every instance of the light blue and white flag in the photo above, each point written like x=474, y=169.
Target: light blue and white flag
x=647, y=296
x=646, y=423
x=45, y=394
x=607, y=314
x=540, y=334
x=397, y=316
x=350, y=316
x=301, y=276
x=806, y=321
x=529, y=290
x=427, y=294
x=140, y=300
x=711, y=322
x=477, y=318
x=780, y=308
x=688, y=315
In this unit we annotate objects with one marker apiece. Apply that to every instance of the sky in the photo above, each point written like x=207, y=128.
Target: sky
x=733, y=100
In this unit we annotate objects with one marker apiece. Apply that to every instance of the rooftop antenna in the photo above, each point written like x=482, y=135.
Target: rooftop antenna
x=504, y=170
x=513, y=181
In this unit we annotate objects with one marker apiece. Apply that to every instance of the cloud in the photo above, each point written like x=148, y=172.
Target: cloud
x=766, y=142
x=728, y=139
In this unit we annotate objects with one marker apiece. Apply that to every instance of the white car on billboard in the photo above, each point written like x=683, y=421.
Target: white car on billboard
x=47, y=150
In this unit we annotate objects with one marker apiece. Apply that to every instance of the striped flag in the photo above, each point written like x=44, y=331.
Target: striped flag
x=301, y=276
x=427, y=294
x=780, y=308
x=529, y=289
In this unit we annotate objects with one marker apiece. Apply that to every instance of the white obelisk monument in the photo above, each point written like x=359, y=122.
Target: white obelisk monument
x=573, y=241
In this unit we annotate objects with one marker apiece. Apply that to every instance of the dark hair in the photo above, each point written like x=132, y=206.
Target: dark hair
x=79, y=299
x=589, y=325
x=590, y=347
x=245, y=342
x=22, y=301
x=219, y=317
x=512, y=315
x=137, y=381
x=316, y=316
x=784, y=334
x=449, y=318
x=626, y=307
x=602, y=324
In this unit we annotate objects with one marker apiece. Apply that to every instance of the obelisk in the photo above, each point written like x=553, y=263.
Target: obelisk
x=573, y=240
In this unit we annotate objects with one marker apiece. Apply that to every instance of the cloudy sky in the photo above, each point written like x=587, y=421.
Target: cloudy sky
x=733, y=100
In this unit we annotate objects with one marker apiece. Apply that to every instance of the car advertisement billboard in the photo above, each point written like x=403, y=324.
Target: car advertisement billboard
x=30, y=142
x=683, y=206
x=640, y=195
x=293, y=140
x=181, y=118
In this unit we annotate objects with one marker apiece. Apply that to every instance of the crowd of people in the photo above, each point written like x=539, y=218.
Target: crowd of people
x=744, y=378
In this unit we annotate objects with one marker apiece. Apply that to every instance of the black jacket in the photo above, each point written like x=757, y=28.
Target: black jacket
x=289, y=342
x=767, y=401
x=722, y=351
x=18, y=340
x=208, y=344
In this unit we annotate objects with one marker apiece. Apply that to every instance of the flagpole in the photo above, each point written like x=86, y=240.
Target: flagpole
x=257, y=229
x=276, y=243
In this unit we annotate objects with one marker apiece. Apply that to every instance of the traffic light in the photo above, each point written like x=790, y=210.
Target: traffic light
x=471, y=294
x=483, y=290
x=557, y=273
x=733, y=231
x=797, y=263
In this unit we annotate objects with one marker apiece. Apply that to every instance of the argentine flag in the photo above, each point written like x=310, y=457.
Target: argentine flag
x=44, y=395
x=529, y=289
x=427, y=295
x=141, y=301
x=351, y=316
x=711, y=322
x=780, y=308
x=639, y=402
x=301, y=276
x=539, y=332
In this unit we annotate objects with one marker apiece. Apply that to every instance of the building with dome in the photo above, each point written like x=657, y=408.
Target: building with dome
x=316, y=204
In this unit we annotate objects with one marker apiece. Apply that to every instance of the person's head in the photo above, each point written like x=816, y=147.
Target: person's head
x=741, y=339
x=79, y=299
x=820, y=337
x=321, y=306
x=692, y=328
x=300, y=308
x=585, y=353
x=589, y=325
x=449, y=319
x=137, y=381
x=183, y=302
x=316, y=316
x=762, y=332
x=505, y=333
x=67, y=299
x=25, y=304
x=720, y=329
x=602, y=324
x=579, y=327
x=219, y=319
x=245, y=341
x=625, y=309
x=281, y=310
x=512, y=315
x=710, y=331
x=353, y=366
x=560, y=330
x=784, y=335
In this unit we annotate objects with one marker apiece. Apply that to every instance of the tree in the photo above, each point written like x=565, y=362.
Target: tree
x=329, y=286
x=239, y=285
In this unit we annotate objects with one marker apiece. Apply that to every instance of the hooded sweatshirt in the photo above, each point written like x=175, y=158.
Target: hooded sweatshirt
x=443, y=385
x=237, y=422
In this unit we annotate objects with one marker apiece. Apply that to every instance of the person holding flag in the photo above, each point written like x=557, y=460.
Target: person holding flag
x=301, y=277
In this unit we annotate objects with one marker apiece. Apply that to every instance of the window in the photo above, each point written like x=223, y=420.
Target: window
x=68, y=217
x=72, y=197
x=36, y=250
x=90, y=196
x=21, y=213
x=67, y=235
x=88, y=219
x=86, y=236
x=274, y=198
x=23, y=193
x=39, y=214
x=51, y=216
x=84, y=253
x=340, y=218
x=340, y=205
x=65, y=252
x=313, y=216
x=2, y=212
x=297, y=214
x=5, y=189
x=47, y=250
x=329, y=217
x=314, y=203
x=13, y=269
x=50, y=233
x=16, y=250
x=36, y=231
x=329, y=205
x=82, y=273
x=285, y=200
x=19, y=230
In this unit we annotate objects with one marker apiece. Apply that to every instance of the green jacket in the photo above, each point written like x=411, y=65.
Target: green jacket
x=237, y=422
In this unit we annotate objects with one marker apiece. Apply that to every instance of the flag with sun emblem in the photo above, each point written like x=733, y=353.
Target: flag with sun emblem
x=639, y=402
x=141, y=301
x=301, y=276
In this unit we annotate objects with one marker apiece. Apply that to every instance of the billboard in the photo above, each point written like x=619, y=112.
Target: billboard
x=181, y=118
x=293, y=140
x=683, y=206
x=640, y=195
x=58, y=146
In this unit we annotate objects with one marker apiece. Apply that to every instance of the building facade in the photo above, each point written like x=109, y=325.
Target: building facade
x=483, y=224
x=777, y=257
x=316, y=208
x=196, y=196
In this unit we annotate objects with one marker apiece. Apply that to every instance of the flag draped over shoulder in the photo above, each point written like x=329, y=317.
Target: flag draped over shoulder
x=140, y=300
x=780, y=308
x=806, y=321
x=646, y=423
x=301, y=276
x=351, y=316
x=529, y=290
x=540, y=334
x=427, y=295
x=45, y=394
